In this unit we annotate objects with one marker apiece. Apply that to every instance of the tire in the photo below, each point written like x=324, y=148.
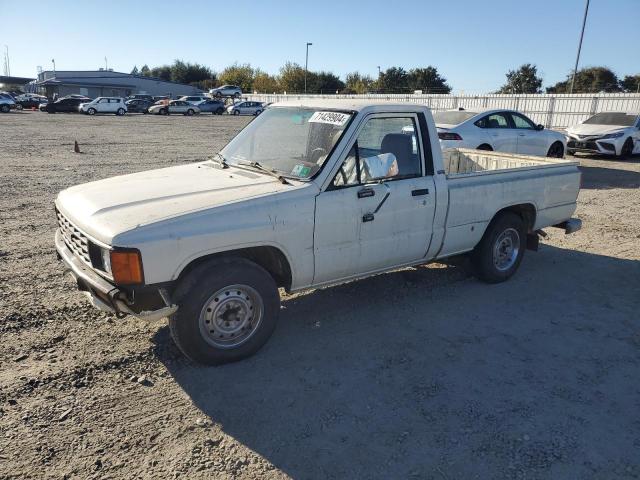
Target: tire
x=236, y=95
x=570, y=152
x=218, y=95
x=5, y=108
x=556, y=150
x=485, y=146
x=190, y=112
x=258, y=112
x=498, y=255
x=121, y=112
x=220, y=111
x=236, y=112
x=91, y=111
x=163, y=111
x=19, y=107
x=206, y=295
x=627, y=148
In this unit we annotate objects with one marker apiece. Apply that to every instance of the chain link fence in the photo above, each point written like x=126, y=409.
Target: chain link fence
x=551, y=110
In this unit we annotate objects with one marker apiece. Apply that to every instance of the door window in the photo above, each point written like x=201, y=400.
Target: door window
x=386, y=149
x=522, y=122
x=495, y=120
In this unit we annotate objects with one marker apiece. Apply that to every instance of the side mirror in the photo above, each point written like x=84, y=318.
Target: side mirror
x=539, y=127
x=380, y=166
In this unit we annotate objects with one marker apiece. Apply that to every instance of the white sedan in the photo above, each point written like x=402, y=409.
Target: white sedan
x=609, y=133
x=499, y=130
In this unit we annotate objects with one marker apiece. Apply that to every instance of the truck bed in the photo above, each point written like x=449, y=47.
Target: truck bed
x=482, y=183
x=465, y=161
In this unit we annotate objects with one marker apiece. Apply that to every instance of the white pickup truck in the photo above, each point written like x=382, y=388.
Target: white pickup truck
x=307, y=195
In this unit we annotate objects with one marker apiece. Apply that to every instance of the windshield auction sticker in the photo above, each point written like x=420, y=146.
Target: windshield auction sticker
x=332, y=118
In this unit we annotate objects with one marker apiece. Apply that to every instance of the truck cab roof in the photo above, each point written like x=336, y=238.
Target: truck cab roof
x=352, y=105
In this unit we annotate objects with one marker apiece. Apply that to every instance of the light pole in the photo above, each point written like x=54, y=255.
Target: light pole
x=575, y=69
x=306, y=67
x=53, y=60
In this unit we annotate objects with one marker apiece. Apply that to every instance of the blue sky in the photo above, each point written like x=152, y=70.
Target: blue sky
x=472, y=42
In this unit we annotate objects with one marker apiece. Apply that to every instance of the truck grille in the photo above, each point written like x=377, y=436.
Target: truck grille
x=74, y=238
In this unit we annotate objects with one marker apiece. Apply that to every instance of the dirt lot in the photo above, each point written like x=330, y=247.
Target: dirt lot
x=423, y=373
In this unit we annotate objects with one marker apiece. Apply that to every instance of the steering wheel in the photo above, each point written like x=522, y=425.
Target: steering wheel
x=316, y=153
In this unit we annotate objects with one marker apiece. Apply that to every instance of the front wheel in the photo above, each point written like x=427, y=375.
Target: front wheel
x=19, y=107
x=227, y=310
x=190, y=112
x=498, y=255
x=219, y=111
x=236, y=112
x=236, y=95
x=5, y=108
x=91, y=111
x=627, y=148
x=556, y=150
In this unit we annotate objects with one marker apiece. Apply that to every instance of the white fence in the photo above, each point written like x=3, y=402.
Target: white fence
x=551, y=110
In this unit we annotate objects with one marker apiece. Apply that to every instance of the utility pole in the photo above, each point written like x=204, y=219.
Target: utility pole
x=7, y=66
x=106, y=65
x=306, y=67
x=575, y=69
x=53, y=60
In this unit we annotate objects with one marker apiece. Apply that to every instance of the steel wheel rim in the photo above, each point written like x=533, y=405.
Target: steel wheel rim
x=231, y=316
x=506, y=249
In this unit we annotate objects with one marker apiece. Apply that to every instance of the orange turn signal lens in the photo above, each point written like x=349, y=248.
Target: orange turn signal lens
x=126, y=267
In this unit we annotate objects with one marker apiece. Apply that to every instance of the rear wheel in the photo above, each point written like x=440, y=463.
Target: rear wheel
x=120, y=112
x=485, y=146
x=190, y=112
x=228, y=309
x=498, y=255
x=236, y=112
x=236, y=95
x=19, y=106
x=258, y=112
x=556, y=150
x=220, y=111
x=5, y=108
x=627, y=148
x=164, y=111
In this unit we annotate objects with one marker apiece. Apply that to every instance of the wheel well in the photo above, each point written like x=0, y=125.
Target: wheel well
x=485, y=146
x=270, y=258
x=526, y=211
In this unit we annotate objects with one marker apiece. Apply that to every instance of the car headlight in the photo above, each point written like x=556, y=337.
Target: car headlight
x=613, y=135
x=106, y=260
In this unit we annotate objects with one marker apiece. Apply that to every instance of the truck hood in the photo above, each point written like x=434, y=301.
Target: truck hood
x=106, y=208
x=593, y=129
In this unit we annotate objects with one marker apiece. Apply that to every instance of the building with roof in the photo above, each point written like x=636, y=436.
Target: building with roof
x=105, y=83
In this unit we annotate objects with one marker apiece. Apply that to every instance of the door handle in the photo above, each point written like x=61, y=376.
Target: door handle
x=366, y=192
x=421, y=191
x=521, y=135
x=368, y=217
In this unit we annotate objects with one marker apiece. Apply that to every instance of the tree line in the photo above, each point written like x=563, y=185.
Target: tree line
x=291, y=79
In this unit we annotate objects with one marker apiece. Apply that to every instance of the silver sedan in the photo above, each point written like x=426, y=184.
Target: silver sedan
x=175, y=106
x=245, y=108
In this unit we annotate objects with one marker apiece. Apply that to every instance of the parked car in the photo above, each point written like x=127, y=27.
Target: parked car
x=7, y=102
x=114, y=105
x=609, y=133
x=245, y=108
x=43, y=105
x=226, y=91
x=194, y=99
x=499, y=130
x=158, y=98
x=66, y=104
x=216, y=107
x=29, y=101
x=141, y=96
x=310, y=194
x=138, y=105
x=174, y=106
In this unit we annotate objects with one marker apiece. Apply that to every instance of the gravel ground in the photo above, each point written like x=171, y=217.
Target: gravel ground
x=422, y=373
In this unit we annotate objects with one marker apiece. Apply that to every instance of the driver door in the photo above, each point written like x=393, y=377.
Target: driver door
x=375, y=215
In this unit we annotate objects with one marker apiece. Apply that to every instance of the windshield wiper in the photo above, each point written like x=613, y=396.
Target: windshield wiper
x=266, y=170
x=221, y=161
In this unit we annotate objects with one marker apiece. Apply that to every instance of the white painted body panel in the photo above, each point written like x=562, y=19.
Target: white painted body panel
x=177, y=215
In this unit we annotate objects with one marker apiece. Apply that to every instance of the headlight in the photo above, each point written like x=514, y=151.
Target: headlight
x=613, y=135
x=106, y=260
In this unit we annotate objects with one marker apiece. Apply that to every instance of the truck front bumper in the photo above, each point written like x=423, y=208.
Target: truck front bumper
x=103, y=294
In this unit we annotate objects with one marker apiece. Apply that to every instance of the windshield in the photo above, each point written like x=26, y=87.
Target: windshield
x=455, y=117
x=293, y=141
x=612, y=118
